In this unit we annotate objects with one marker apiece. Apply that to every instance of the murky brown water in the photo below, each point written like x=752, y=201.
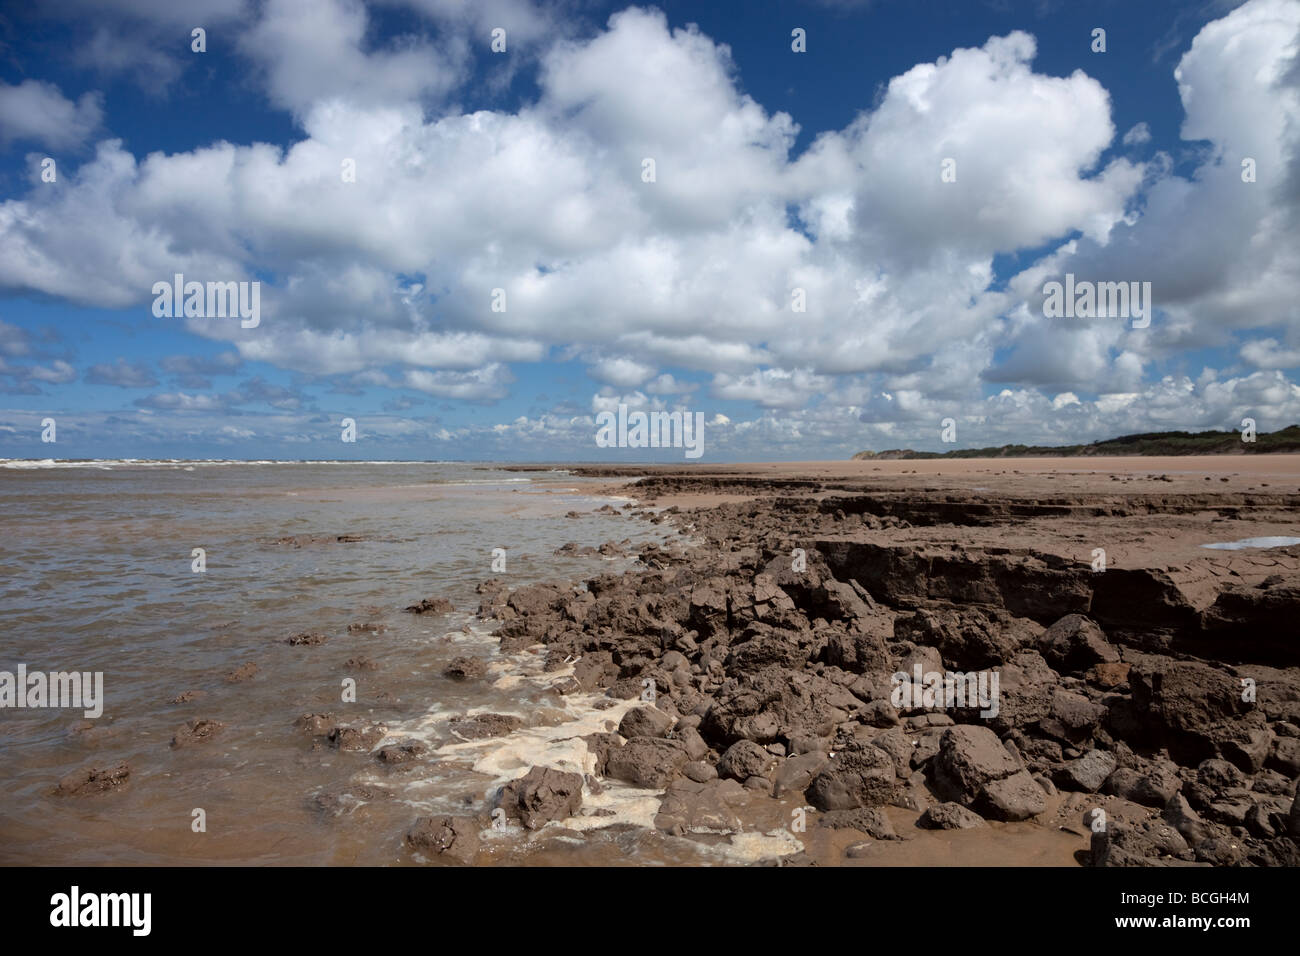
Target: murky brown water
x=95, y=565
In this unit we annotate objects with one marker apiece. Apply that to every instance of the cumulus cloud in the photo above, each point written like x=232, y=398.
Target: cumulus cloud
x=1270, y=354
x=38, y=112
x=771, y=388
x=666, y=384
x=471, y=240
x=58, y=372
x=121, y=374
x=481, y=385
x=194, y=372
x=313, y=51
x=624, y=372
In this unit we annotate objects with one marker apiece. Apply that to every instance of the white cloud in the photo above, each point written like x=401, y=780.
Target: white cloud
x=479, y=385
x=1139, y=134
x=38, y=112
x=390, y=279
x=122, y=374
x=666, y=384
x=1270, y=354
x=59, y=372
x=312, y=51
x=771, y=387
x=623, y=372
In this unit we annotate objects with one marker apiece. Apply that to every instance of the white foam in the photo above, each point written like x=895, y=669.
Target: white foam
x=559, y=746
x=751, y=847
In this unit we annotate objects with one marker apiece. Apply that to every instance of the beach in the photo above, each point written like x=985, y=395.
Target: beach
x=650, y=665
x=1138, y=613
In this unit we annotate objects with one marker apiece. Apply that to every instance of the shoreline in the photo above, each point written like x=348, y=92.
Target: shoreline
x=1120, y=688
x=773, y=735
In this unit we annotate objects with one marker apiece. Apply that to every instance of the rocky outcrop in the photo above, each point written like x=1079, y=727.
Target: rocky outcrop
x=772, y=649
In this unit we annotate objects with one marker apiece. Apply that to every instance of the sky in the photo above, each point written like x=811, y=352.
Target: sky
x=824, y=226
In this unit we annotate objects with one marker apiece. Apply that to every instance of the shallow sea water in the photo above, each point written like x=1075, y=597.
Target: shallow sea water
x=96, y=576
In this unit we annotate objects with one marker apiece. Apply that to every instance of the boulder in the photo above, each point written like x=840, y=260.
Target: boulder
x=456, y=838
x=1074, y=644
x=542, y=795
x=745, y=759
x=795, y=773
x=650, y=762
x=700, y=771
x=949, y=816
x=1017, y=797
x=970, y=758
x=775, y=704
x=860, y=775
x=645, y=722
x=1087, y=773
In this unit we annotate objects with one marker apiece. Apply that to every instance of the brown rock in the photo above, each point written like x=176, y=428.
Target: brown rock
x=465, y=668
x=430, y=606
x=859, y=775
x=243, y=672
x=484, y=725
x=306, y=639
x=649, y=762
x=1108, y=674
x=542, y=795
x=92, y=780
x=645, y=722
x=454, y=837
x=196, y=731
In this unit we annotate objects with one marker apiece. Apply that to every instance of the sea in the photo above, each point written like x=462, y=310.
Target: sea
x=181, y=582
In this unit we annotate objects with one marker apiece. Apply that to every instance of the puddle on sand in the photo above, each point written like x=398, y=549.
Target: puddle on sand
x=1276, y=541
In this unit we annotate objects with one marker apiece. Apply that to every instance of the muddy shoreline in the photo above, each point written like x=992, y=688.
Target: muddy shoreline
x=727, y=690
x=1148, y=694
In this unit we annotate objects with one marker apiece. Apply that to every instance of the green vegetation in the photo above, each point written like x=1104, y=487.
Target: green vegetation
x=1148, y=444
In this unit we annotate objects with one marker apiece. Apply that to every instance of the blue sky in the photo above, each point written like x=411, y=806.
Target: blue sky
x=775, y=172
